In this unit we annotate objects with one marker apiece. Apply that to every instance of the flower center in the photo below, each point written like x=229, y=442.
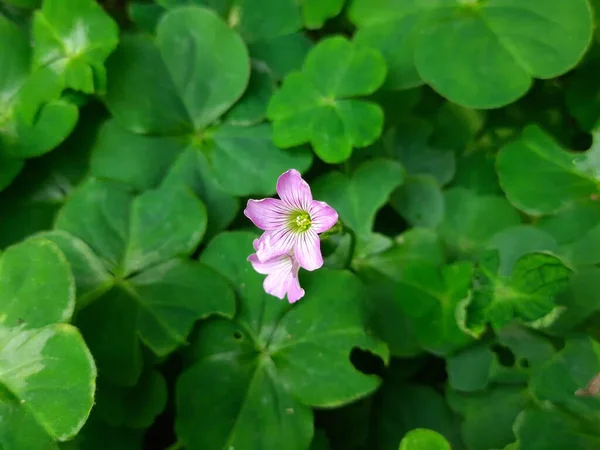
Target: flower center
x=300, y=221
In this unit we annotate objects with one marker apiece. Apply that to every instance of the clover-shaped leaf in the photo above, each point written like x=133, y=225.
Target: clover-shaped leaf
x=281, y=360
x=424, y=439
x=436, y=299
x=481, y=54
x=129, y=262
x=72, y=43
x=358, y=198
x=20, y=135
x=526, y=294
x=317, y=104
x=47, y=375
x=316, y=12
x=471, y=220
x=178, y=96
x=564, y=178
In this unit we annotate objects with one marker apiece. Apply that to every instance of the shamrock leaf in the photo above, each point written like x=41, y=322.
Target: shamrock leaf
x=47, y=375
x=358, y=198
x=73, y=43
x=436, y=300
x=316, y=12
x=173, y=97
x=381, y=270
x=409, y=143
x=488, y=416
x=563, y=178
x=316, y=105
x=423, y=439
x=20, y=135
x=577, y=231
x=527, y=293
x=477, y=54
x=470, y=219
x=276, y=352
x=283, y=54
x=551, y=429
x=129, y=258
x=419, y=201
x=132, y=407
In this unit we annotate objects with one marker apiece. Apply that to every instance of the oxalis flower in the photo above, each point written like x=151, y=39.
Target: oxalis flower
x=292, y=223
x=282, y=275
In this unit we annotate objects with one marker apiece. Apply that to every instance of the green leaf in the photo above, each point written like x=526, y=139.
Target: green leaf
x=148, y=94
x=108, y=326
x=207, y=83
x=134, y=407
x=409, y=143
x=283, y=54
x=36, y=285
x=567, y=371
x=73, y=44
x=551, y=430
x=20, y=429
x=143, y=165
x=265, y=19
x=578, y=232
x=563, y=178
x=159, y=306
x=472, y=219
x=527, y=293
x=129, y=233
x=164, y=223
x=404, y=407
x=419, y=201
x=193, y=170
x=436, y=299
x=470, y=369
x=91, y=277
x=358, y=198
x=423, y=439
x=317, y=104
x=477, y=54
x=488, y=417
x=20, y=135
x=514, y=242
x=252, y=106
x=316, y=12
x=51, y=373
x=272, y=355
x=244, y=160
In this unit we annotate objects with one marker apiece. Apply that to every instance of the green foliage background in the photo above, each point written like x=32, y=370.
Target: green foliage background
x=459, y=304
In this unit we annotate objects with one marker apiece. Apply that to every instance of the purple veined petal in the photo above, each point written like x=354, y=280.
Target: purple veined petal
x=280, y=278
x=295, y=292
x=268, y=213
x=322, y=216
x=270, y=266
x=293, y=190
x=274, y=243
x=308, y=250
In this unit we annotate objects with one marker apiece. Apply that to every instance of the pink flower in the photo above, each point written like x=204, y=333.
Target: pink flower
x=282, y=275
x=292, y=224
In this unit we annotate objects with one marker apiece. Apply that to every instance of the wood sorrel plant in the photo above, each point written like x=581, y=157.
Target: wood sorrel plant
x=437, y=172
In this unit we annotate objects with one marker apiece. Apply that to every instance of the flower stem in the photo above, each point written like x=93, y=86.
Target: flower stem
x=352, y=248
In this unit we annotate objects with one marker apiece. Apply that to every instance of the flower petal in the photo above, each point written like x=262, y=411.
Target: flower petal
x=295, y=292
x=308, y=250
x=268, y=213
x=274, y=243
x=322, y=215
x=269, y=266
x=278, y=281
x=293, y=190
